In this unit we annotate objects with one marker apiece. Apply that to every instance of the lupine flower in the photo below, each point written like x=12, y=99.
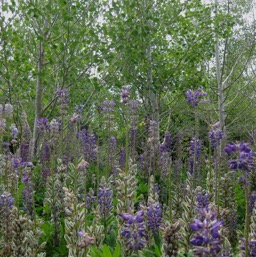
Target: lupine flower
x=6, y=146
x=90, y=198
x=16, y=163
x=154, y=215
x=85, y=240
x=202, y=199
x=42, y=125
x=171, y=237
x=8, y=110
x=244, y=156
x=62, y=98
x=108, y=109
x=134, y=230
x=45, y=173
x=122, y=158
x=63, y=95
x=75, y=118
x=6, y=201
x=112, y=151
x=27, y=194
x=105, y=196
x=252, y=201
x=207, y=239
x=125, y=94
x=134, y=105
x=194, y=97
x=2, y=125
x=89, y=144
x=152, y=131
x=46, y=154
x=14, y=131
x=24, y=152
x=215, y=136
x=192, y=153
x=133, y=136
x=54, y=128
x=252, y=247
x=108, y=106
x=197, y=145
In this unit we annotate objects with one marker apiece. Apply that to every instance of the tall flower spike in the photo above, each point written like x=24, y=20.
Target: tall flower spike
x=134, y=231
x=105, y=198
x=216, y=134
x=8, y=110
x=125, y=94
x=207, y=238
x=154, y=209
x=14, y=131
x=194, y=97
x=42, y=125
x=170, y=245
x=244, y=156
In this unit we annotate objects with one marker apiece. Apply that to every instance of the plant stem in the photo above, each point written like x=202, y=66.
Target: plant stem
x=247, y=221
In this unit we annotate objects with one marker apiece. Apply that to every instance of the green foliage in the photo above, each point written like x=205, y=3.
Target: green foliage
x=106, y=251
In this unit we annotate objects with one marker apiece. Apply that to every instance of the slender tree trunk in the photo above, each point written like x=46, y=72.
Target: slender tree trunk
x=221, y=106
x=153, y=97
x=39, y=96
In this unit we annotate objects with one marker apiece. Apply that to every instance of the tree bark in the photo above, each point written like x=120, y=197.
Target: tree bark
x=221, y=106
x=39, y=96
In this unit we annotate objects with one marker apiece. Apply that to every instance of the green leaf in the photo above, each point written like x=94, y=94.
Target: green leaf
x=117, y=251
x=106, y=251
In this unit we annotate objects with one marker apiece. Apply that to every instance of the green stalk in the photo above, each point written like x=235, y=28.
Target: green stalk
x=247, y=221
x=195, y=150
x=170, y=194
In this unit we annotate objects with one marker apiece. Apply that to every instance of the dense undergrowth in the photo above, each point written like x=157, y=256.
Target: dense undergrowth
x=154, y=194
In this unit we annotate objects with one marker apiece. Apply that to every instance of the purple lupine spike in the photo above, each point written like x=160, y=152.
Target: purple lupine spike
x=14, y=131
x=27, y=194
x=243, y=154
x=202, y=199
x=108, y=106
x=8, y=110
x=54, y=128
x=105, y=196
x=90, y=198
x=46, y=155
x=194, y=97
x=198, y=147
x=6, y=146
x=133, y=137
x=63, y=95
x=16, y=162
x=112, y=150
x=168, y=141
x=45, y=173
x=154, y=215
x=134, y=231
x=122, y=158
x=89, y=143
x=2, y=125
x=207, y=239
x=125, y=94
x=6, y=201
x=134, y=105
x=252, y=247
x=215, y=137
x=24, y=152
x=192, y=153
x=252, y=200
x=42, y=125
